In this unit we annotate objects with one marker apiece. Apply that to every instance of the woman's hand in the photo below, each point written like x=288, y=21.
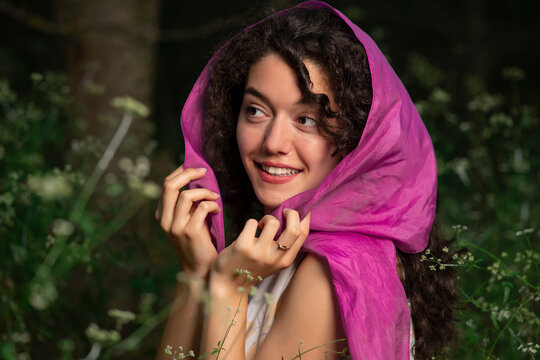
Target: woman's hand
x=182, y=215
x=261, y=255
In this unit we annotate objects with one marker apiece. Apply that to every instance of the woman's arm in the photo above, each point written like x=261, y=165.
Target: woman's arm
x=261, y=256
x=184, y=325
x=182, y=215
x=227, y=302
x=307, y=317
x=308, y=310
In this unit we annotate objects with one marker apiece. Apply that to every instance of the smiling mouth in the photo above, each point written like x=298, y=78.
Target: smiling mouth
x=277, y=171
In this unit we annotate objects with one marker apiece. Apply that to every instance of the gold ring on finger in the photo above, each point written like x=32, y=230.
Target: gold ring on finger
x=282, y=247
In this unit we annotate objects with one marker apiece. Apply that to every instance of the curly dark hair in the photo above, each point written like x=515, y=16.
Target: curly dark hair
x=432, y=295
x=322, y=37
x=298, y=35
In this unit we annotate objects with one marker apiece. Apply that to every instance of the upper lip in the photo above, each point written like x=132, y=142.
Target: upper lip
x=277, y=165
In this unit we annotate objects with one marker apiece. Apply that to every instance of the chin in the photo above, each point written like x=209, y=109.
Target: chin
x=270, y=203
x=270, y=206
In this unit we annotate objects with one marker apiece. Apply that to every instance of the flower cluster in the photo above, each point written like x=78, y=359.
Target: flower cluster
x=436, y=263
x=529, y=348
x=122, y=317
x=130, y=105
x=50, y=186
x=246, y=274
x=496, y=270
x=62, y=227
x=178, y=353
x=101, y=336
x=462, y=259
x=500, y=314
x=485, y=102
x=136, y=173
x=513, y=73
x=524, y=232
x=459, y=228
x=527, y=258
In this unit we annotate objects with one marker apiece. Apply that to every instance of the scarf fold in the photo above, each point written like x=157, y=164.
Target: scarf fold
x=380, y=196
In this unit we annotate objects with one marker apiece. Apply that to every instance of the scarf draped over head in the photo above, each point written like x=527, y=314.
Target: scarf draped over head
x=380, y=196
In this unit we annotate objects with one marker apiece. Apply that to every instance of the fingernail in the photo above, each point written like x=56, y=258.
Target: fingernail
x=202, y=169
x=216, y=194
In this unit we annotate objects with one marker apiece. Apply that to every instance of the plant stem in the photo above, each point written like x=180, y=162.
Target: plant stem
x=496, y=258
x=135, y=338
x=102, y=165
x=89, y=187
x=299, y=356
x=524, y=302
x=220, y=347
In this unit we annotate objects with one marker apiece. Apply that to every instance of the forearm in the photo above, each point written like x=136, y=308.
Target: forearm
x=184, y=324
x=226, y=322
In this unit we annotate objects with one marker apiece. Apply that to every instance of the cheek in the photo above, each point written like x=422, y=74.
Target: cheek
x=245, y=138
x=318, y=155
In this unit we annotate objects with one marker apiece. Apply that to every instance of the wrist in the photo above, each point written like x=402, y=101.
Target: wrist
x=200, y=272
x=191, y=281
x=227, y=285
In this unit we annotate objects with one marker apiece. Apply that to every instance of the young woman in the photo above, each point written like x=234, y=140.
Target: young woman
x=301, y=129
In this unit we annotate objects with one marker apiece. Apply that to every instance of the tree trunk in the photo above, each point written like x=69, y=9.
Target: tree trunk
x=112, y=53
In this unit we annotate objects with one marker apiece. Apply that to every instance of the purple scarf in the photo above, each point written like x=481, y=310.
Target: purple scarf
x=379, y=197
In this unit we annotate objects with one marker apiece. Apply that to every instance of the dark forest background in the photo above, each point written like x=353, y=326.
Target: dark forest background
x=85, y=271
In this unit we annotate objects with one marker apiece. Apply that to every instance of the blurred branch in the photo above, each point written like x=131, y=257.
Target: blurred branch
x=203, y=30
x=35, y=21
x=66, y=29
x=213, y=26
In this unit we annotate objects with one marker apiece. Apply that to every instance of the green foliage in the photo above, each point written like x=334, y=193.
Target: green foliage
x=488, y=179
x=53, y=222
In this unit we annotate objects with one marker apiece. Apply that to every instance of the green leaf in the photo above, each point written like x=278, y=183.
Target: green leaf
x=494, y=321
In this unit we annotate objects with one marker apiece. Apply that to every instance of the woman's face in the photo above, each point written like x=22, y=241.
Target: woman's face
x=281, y=147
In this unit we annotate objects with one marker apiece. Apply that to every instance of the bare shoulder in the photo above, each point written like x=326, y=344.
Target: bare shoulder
x=314, y=265
x=308, y=313
x=311, y=277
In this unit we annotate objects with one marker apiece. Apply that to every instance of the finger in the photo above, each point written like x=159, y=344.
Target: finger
x=292, y=229
x=269, y=226
x=159, y=209
x=171, y=188
x=176, y=172
x=197, y=221
x=188, y=197
x=304, y=232
x=289, y=255
x=178, y=179
x=247, y=234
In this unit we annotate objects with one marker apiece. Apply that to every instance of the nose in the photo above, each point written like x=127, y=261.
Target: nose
x=278, y=136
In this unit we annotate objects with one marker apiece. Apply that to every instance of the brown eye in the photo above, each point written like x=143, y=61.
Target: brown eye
x=307, y=121
x=253, y=111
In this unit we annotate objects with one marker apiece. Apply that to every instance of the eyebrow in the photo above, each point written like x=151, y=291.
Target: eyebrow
x=252, y=91
x=256, y=93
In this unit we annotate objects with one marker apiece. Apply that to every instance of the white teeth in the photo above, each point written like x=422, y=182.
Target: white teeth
x=279, y=171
